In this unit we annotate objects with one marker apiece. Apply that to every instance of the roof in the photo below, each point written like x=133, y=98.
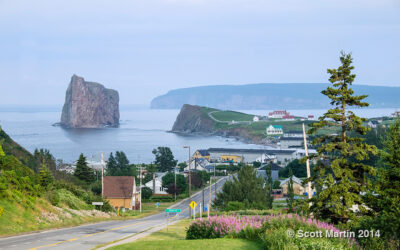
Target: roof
x=374, y=122
x=118, y=186
x=203, y=152
x=292, y=138
x=274, y=167
x=294, y=132
x=275, y=126
x=252, y=151
x=295, y=179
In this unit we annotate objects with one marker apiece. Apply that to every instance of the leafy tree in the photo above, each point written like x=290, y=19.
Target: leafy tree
x=247, y=187
x=146, y=193
x=43, y=156
x=168, y=181
x=299, y=169
x=257, y=164
x=268, y=187
x=45, y=177
x=385, y=198
x=83, y=171
x=277, y=184
x=199, y=178
x=1, y=149
x=164, y=159
x=290, y=195
x=345, y=178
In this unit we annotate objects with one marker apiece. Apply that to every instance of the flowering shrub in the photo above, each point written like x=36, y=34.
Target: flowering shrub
x=272, y=230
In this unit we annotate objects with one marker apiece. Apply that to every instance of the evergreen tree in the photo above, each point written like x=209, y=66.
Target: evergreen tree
x=83, y=171
x=343, y=174
x=290, y=191
x=268, y=188
x=164, y=159
x=385, y=198
x=111, y=167
x=45, y=177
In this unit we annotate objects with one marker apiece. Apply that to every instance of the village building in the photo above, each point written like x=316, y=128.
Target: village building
x=373, y=124
x=121, y=191
x=256, y=119
x=274, y=130
x=262, y=171
x=310, y=117
x=156, y=185
x=298, y=188
x=201, y=153
x=197, y=164
x=249, y=156
x=288, y=117
x=293, y=133
x=291, y=142
x=396, y=114
x=277, y=114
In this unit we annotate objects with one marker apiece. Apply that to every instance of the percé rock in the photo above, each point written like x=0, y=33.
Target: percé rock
x=89, y=105
x=192, y=119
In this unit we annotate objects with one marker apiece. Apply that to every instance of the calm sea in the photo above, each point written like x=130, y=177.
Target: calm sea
x=141, y=131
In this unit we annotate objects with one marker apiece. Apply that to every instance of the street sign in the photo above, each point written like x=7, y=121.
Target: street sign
x=193, y=204
x=205, y=208
x=157, y=204
x=172, y=210
x=96, y=203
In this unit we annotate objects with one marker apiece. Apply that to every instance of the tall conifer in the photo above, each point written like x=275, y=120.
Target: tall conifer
x=343, y=175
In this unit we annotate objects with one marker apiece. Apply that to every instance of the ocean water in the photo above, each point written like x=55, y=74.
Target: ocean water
x=141, y=131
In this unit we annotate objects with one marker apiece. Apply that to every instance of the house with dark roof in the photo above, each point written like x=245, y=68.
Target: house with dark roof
x=121, y=191
x=373, y=124
x=262, y=171
x=202, y=154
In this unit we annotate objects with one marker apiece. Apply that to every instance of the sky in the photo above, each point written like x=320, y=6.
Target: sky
x=145, y=48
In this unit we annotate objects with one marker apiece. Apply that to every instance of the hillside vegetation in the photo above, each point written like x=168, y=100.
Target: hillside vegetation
x=30, y=197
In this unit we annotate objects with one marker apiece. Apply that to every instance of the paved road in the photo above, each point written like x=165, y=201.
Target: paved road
x=89, y=236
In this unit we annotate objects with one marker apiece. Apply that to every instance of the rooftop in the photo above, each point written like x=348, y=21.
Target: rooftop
x=254, y=151
x=118, y=186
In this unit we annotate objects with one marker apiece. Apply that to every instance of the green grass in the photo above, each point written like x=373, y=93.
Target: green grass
x=229, y=116
x=171, y=240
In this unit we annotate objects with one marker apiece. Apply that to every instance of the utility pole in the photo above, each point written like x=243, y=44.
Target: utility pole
x=102, y=174
x=175, y=182
x=215, y=184
x=209, y=200
x=140, y=175
x=307, y=163
x=190, y=181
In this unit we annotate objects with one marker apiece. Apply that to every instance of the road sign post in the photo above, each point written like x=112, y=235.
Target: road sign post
x=193, y=205
x=201, y=211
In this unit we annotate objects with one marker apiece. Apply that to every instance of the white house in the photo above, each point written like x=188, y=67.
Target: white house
x=198, y=164
x=156, y=186
x=373, y=124
x=256, y=119
x=274, y=130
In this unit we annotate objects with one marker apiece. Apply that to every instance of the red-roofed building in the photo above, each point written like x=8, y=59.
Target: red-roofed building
x=278, y=114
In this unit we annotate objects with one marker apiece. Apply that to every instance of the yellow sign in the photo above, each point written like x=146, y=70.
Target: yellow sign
x=193, y=204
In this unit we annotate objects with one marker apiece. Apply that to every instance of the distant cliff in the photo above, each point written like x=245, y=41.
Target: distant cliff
x=194, y=119
x=270, y=96
x=89, y=105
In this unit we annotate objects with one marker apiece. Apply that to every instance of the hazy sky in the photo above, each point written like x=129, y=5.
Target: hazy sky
x=145, y=48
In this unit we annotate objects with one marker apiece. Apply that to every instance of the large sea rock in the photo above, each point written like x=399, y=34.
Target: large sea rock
x=89, y=105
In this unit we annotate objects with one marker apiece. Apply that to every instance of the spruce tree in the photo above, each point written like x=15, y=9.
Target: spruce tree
x=111, y=166
x=385, y=198
x=268, y=187
x=343, y=174
x=83, y=171
x=290, y=191
x=45, y=177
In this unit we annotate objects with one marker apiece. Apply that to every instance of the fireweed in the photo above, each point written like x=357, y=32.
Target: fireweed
x=253, y=227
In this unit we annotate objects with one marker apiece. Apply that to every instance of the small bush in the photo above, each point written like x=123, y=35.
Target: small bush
x=53, y=197
x=1, y=211
x=234, y=206
x=161, y=199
